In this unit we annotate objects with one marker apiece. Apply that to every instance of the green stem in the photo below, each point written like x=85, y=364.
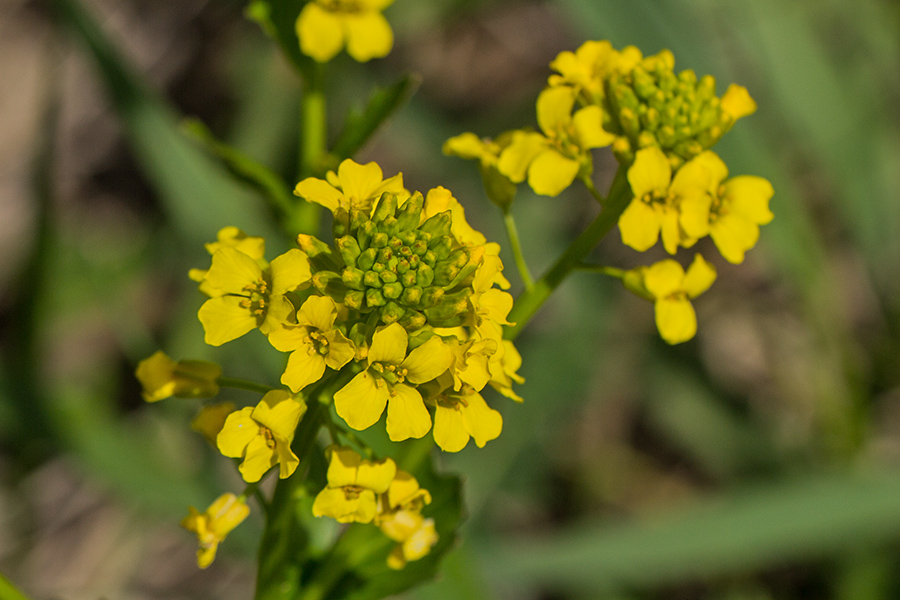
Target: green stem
x=589, y=184
x=602, y=270
x=313, y=122
x=9, y=592
x=513, y=232
x=243, y=384
x=528, y=303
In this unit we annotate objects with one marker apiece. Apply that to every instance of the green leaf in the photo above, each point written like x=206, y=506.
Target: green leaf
x=360, y=125
x=797, y=520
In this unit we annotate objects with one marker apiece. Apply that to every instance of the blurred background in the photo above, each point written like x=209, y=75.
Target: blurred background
x=759, y=461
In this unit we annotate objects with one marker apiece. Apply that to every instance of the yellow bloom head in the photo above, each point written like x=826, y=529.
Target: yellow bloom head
x=324, y=27
x=211, y=526
x=498, y=187
x=353, y=486
x=161, y=377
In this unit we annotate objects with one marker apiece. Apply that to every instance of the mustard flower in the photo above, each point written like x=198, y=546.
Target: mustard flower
x=386, y=381
x=353, y=486
x=504, y=366
x=262, y=435
x=497, y=186
x=211, y=526
x=552, y=161
x=249, y=297
x=675, y=208
x=462, y=414
x=313, y=342
x=440, y=199
x=161, y=377
x=230, y=237
x=325, y=26
x=353, y=186
x=671, y=290
x=400, y=518
x=587, y=69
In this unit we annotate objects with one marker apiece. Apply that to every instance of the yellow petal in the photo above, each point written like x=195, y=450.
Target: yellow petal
x=675, y=320
x=651, y=171
x=466, y=145
x=287, y=460
x=278, y=313
x=280, y=413
x=700, y=275
x=343, y=466
x=664, y=278
x=495, y=305
x=449, y=432
x=258, y=459
x=428, y=361
x=319, y=312
x=407, y=416
x=551, y=172
x=419, y=544
x=554, y=109
x=376, y=475
x=733, y=236
x=289, y=271
x=157, y=376
x=588, y=124
x=693, y=214
x=389, y=345
x=305, y=366
x=237, y=432
x=320, y=32
x=404, y=489
x=224, y=319
x=516, y=157
x=231, y=270
x=481, y=421
x=320, y=192
x=334, y=503
x=288, y=338
x=361, y=402
x=368, y=36
x=211, y=419
x=669, y=229
x=737, y=103
x=639, y=225
x=748, y=196
x=340, y=350
x=359, y=182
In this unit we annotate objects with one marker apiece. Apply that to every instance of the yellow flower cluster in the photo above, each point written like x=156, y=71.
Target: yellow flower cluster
x=365, y=491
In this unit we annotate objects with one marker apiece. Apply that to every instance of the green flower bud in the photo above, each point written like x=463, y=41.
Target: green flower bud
x=388, y=276
x=349, y=249
x=390, y=225
x=366, y=259
x=411, y=213
x=424, y=275
x=408, y=278
x=330, y=284
x=387, y=206
x=413, y=320
x=431, y=296
x=438, y=225
x=374, y=297
x=411, y=295
x=444, y=273
x=392, y=312
x=379, y=240
x=354, y=299
x=392, y=290
x=372, y=279
x=364, y=234
x=353, y=278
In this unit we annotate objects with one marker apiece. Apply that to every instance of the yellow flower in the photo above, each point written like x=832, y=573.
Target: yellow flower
x=353, y=484
x=353, y=186
x=211, y=527
x=587, y=69
x=504, y=367
x=210, y=420
x=313, y=342
x=249, y=296
x=671, y=290
x=553, y=160
x=161, y=377
x=262, y=435
x=739, y=206
x=384, y=382
x=230, y=237
x=490, y=306
x=497, y=186
x=325, y=26
x=737, y=103
x=677, y=208
x=400, y=518
x=462, y=414
x=440, y=199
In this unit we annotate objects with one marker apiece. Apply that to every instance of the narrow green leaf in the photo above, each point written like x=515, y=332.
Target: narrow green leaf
x=9, y=592
x=360, y=125
x=793, y=521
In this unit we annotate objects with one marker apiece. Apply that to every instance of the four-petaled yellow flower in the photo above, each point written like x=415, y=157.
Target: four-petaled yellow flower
x=262, y=435
x=161, y=377
x=211, y=527
x=400, y=518
x=313, y=342
x=361, y=402
x=249, y=296
x=587, y=69
x=353, y=486
x=553, y=160
x=461, y=414
x=353, y=186
x=677, y=208
x=325, y=26
x=671, y=290
x=230, y=237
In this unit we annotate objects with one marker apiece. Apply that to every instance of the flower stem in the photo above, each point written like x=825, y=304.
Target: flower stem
x=243, y=384
x=602, y=270
x=513, y=232
x=313, y=140
x=528, y=303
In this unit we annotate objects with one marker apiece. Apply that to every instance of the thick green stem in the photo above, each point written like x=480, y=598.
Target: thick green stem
x=513, y=232
x=313, y=146
x=243, y=384
x=528, y=303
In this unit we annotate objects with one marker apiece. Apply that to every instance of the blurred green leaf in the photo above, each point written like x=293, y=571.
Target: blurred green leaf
x=278, y=19
x=359, y=126
x=757, y=528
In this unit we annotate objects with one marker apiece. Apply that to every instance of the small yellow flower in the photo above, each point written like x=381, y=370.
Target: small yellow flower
x=353, y=484
x=313, y=342
x=675, y=208
x=462, y=414
x=353, y=186
x=325, y=26
x=210, y=420
x=587, y=69
x=230, y=237
x=504, y=367
x=497, y=186
x=400, y=518
x=387, y=381
x=211, y=527
x=552, y=161
x=249, y=296
x=671, y=290
x=161, y=377
x=737, y=103
x=262, y=435
x=440, y=199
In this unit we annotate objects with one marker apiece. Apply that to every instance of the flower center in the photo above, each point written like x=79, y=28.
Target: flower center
x=318, y=343
x=352, y=492
x=257, y=297
x=268, y=436
x=341, y=6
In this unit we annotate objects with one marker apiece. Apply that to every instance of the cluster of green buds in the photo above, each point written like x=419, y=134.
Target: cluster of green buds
x=390, y=265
